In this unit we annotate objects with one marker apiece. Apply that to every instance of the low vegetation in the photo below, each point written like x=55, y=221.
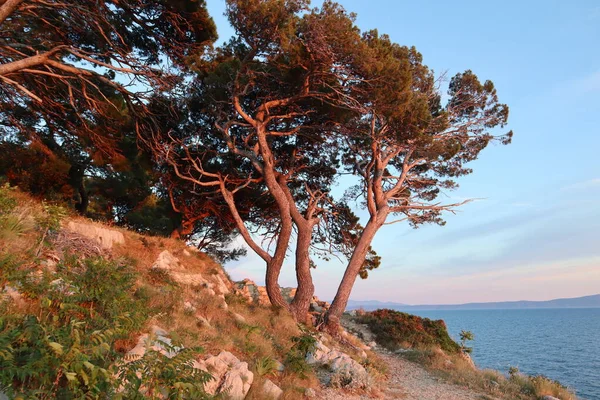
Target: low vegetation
x=394, y=330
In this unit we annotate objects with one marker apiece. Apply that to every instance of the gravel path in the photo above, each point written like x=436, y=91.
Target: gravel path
x=406, y=380
x=409, y=381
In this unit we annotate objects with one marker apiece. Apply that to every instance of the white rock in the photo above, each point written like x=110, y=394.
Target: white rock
x=550, y=398
x=279, y=367
x=166, y=260
x=223, y=305
x=221, y=286
x=239, y=318
x=13, y=294
x=345, y=371
x=192, y=279
x=310, y=392
x=105, y=237
x=200, y=364
x=157, y=341
x=271, y=391
x=319, y=355
x=230, y=375
x=237, y=381
x=202, y=321
x=139, y=350
x=189, y=307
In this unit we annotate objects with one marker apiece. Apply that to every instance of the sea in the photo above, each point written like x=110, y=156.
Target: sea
x=562, y=344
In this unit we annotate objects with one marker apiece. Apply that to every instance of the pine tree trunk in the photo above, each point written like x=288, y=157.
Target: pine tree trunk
x=306, y=289
x=275, y=264
x=338, y=306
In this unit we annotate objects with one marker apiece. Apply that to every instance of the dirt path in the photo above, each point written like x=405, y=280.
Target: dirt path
x=406, y=380
x=409, y=381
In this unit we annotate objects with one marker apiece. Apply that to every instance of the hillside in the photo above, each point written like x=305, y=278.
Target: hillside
x=92, y=311
x=88, y=309
x=592, y=301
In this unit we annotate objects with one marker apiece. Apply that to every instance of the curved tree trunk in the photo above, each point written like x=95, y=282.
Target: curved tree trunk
x=275, y=264
x=306, y=289
x=338, y=306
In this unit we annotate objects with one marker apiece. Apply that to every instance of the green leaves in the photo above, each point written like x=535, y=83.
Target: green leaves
x=66, y=350
x=156, y=376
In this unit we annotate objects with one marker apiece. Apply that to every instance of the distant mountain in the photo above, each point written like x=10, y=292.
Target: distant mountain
x=577, y=302
x=372, y=304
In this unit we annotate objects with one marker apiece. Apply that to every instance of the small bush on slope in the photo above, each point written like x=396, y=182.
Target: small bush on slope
x=394, y=329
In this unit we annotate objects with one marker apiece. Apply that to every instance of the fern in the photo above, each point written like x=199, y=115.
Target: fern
x=156, y=376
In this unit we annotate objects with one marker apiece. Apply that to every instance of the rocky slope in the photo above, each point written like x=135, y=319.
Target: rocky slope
x=173, y=308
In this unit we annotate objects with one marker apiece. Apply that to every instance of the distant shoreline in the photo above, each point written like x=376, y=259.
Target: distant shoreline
x=592, y=301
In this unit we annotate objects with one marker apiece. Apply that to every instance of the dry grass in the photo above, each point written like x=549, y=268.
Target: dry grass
x=456, y=369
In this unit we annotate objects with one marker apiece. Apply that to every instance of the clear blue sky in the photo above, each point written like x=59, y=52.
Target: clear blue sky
x=536, y=232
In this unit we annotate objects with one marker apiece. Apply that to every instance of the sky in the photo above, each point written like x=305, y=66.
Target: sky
x=534, y=231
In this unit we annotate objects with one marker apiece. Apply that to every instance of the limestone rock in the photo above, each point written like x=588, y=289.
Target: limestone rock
x=191, y=279
x=258, y=295
x=550, y=398
x=188, y=307
x=231, y=376
x=13, y=294
x=203, y=322
x=239, y=318
x=345, y=372
x=320, y=355
x=271, y=391
x=310, y=393
x=105, y=237
x=279, y=367
x=166, y=260
x=158, y=341
x=252, y=292
x=221, y=285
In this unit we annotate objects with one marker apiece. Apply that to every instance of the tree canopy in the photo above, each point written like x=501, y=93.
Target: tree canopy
x=133, y=113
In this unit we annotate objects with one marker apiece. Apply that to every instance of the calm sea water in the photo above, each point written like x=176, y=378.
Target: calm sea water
x=563, y=344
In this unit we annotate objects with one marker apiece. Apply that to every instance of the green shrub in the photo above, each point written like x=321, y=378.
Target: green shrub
x=265, y=366
x=295, y=359
x=393, y=329
x=7, y=200
x=156, y=376
x=51, y=218
x=65, y=349
x=11, y=224
x=466, y=336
